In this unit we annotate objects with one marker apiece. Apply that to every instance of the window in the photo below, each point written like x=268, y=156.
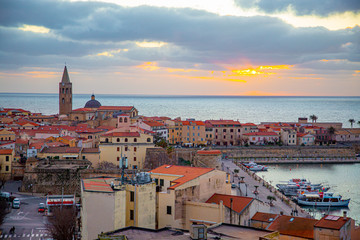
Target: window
x=126, y=148
x=7, y=158
x=118, y=149
x=106, y=140
x=118, y=159
x=63, y=100
x=125, y=120
x=67, y=90
x=132, y=196
x=7, y=168
x=194, y=127
x=157, y=181
x=238, y=130
x=126, y=140
x=231, y=130
x=134, y=149
x=135, y=139
x=161, y=182
x=134, y=158
x=224, y=130
x=148, y=140
x=83, y=157
x=131, y=214
x=120, y=120
x=118, y=139
x=63, y=90
x=168, y=210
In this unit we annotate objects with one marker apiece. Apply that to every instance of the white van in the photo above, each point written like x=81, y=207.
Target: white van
x=16, y=203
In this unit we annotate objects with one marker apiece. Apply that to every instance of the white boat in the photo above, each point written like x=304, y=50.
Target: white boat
x=322, y=200
x=255, y=167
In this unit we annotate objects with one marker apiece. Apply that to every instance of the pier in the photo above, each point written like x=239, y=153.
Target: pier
x=250, y=185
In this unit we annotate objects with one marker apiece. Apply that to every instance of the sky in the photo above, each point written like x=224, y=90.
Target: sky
x=187, y=47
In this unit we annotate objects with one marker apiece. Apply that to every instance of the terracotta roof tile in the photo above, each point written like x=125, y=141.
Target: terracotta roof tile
x=5, y=151
x=294, y=226
x=96, y=185
x=154, y=123
x=238, y=204
x=264, y=217
x=188, y=173
x=332, y=222
x=223, y=122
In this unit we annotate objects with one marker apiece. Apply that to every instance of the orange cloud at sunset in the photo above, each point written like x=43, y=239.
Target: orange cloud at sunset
x=260, y=70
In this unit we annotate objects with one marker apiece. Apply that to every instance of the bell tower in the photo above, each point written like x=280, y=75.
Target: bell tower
x=65, y=94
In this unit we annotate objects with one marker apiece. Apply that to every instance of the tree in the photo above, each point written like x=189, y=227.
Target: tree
x=331, y=130
x=351, y=121
x=3, y=210
x=63, y=223
x=313, y=118
x=271, y=199
x=358, y=123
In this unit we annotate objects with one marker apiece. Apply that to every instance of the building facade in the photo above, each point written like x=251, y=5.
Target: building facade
x=65, y=94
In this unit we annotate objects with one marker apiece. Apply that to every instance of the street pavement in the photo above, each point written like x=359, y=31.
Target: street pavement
x=247, y=188
x=28, y=223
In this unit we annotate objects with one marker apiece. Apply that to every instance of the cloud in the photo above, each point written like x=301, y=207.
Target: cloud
x=303, y=7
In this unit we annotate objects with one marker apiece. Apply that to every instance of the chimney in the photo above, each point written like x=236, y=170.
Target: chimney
x=281, y=213
x=345, y=215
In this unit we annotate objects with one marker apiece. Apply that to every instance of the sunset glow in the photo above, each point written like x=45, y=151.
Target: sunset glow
x=35, y=29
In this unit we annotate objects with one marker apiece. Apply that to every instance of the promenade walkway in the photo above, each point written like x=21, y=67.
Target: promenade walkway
x=246, y=182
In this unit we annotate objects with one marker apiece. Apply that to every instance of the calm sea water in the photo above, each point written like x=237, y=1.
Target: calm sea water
x=343, y=179
x=244, y=109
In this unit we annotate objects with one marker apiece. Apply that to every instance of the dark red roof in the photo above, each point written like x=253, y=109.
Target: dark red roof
x=264, y=217
x=238, y=204
x=332, y=222
x=294, y=226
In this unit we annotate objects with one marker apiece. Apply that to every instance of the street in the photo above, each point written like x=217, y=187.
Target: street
x=28, y=223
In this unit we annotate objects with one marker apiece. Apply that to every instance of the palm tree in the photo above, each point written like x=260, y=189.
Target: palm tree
x=351, y=121
x=313, y=118
x=358, y=123
x=331, y=130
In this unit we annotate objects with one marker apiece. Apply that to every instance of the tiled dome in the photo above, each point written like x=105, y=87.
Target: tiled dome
x=92, y=103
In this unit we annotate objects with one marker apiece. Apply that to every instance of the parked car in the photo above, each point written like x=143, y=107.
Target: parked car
x=41, y=207
x=16, y=203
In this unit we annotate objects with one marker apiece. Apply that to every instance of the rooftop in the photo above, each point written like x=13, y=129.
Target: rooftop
x=332, y=222
x=6, y=151
x=261, y=134
x=97, y=185
x=238, y=204
x=294, y=226
x=122, y=134
x=264, y=217
x=186, y=173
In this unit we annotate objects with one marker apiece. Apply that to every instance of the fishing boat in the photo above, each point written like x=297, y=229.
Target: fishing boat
x=322, y=200
x=293, y=186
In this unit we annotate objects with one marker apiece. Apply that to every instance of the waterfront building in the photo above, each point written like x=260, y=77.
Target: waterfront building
x=261, y=138
x=336, y=227
x=322, y=136
x=193, y=133
x=110, y=203
x=6, y=159
x=175, y=131
x=305, y=139
x=347, y=135
x=183, y=191
x=154, y=126
x=131, y=145
x=226, y=132
x=209, y=133
x=288, y=136
x=65, y=94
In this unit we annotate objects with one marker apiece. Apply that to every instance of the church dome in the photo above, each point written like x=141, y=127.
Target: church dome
x=92, y=103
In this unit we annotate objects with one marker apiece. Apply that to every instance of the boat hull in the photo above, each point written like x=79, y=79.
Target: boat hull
x=342, y=203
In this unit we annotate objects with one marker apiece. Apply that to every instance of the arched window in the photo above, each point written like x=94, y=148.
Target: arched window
x=63, y=100
x=134, y=149
x=126, y=140
x=125, y=119
x=135, y=139
x=106, y=140
x=63, y=90
x=120, y=120
x=118, y=139
x=67, y=90
x=149, y=140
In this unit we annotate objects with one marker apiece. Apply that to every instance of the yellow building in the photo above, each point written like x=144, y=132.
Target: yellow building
x=109, y=204
x=175, y=131
x=6, y=135
x=6, y=158
x=131, y=145
x=178, y=184
x=193, y=133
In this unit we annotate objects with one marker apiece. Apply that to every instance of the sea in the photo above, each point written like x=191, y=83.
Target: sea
x=242, y=108
x=344, y=179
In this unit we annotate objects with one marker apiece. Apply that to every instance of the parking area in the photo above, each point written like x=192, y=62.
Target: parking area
x=28, y=223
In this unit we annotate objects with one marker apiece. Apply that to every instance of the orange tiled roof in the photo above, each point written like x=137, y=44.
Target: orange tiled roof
x=294, y=226
x=238, y=204
x=122, y=134
x=61, y=150
x=96, y=185
x=154, y=124
x=197, y=123
x=82, y=110
x=206, y=152
x=188, y=173
x=116, y=108
x=332, y=222
x=248, y=124
x=264, y=217
x=5, y=151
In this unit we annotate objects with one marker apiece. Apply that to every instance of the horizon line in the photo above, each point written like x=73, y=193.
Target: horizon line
x=183, y=95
